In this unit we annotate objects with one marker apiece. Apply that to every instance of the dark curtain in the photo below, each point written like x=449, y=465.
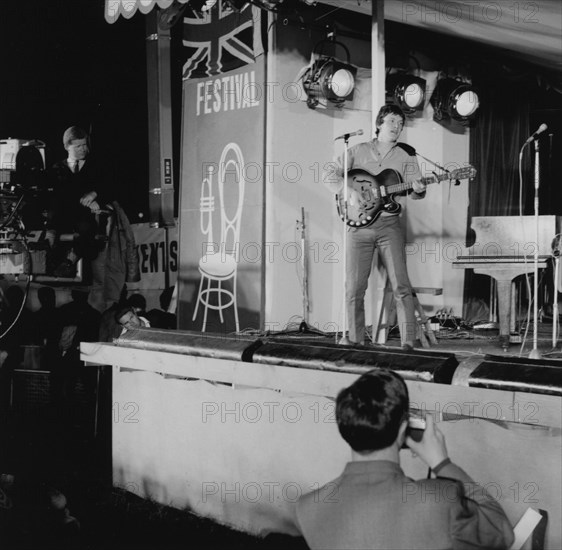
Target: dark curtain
x=496, y=137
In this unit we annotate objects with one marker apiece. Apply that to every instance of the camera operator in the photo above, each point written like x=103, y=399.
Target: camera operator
x=81, y=188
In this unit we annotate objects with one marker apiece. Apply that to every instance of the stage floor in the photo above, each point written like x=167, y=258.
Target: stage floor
x=461, y=341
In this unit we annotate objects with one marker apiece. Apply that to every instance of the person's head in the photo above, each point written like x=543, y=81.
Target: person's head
x=390, y=121
x=371, y=412
x=75, y=141
x=127, y=317
x=137, y=302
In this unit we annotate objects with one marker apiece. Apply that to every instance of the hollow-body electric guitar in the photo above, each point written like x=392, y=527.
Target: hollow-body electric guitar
x=369, y=196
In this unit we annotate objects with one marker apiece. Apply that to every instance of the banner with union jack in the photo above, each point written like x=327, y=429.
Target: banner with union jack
x=221, y=40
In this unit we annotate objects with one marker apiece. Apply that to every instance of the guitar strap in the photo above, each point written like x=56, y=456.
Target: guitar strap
x=410, y=151
x=408, y=148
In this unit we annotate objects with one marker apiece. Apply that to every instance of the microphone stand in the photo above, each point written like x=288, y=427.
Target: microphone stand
x=535, y=353
x=345, y=339
x=556, y=256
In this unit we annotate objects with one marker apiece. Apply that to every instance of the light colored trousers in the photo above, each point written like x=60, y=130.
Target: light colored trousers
x=387, y=236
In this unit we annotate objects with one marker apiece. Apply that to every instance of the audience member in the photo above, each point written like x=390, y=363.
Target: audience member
x=36, y=515
x=128, y=319
x=138, y=303
x=161, y=318
x=374, y=505
x=46, y=326
x=80, y=323
x=109, y=327
x=15, y=332
x=15, y=324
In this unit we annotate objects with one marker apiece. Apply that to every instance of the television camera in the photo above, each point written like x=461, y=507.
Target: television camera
x=23, y=195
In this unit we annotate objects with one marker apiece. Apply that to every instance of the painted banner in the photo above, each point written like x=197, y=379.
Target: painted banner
x=158, y=257
x=221, y=201
x=221, y=192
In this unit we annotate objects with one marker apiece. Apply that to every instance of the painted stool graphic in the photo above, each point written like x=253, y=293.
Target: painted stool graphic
x=220, y=262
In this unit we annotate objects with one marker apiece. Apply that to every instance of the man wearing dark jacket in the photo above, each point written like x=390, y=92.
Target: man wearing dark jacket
x=81, y=190
x=374, y=505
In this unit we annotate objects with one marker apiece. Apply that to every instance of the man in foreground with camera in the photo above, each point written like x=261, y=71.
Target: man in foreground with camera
x=374, y=505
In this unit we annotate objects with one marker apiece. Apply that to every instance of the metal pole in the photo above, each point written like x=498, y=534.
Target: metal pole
x=304, y=263
x=535, y=354
x=555, y=303
x=160, y=165
x=345, y=339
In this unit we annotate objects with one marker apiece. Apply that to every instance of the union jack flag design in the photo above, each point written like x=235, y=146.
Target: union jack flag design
x=221, y=40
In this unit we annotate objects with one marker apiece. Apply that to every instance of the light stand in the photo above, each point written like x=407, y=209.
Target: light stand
x=305, y=304
x=535, y=354
x=345, y=339
x=304, y=327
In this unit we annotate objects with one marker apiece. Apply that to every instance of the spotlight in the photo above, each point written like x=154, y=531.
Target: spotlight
x=454, y=99
x=407, y=91
x=330, y=80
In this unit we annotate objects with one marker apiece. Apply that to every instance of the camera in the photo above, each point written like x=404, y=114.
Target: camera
x=415, y=429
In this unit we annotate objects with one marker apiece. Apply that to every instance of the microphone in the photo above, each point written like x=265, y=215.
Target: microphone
x=540, y=130
x=351, y=134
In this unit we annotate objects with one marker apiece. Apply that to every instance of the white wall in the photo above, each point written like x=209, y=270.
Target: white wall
x=299, y=141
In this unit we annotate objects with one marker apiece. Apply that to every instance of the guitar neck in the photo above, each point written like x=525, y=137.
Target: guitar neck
x=405, y=185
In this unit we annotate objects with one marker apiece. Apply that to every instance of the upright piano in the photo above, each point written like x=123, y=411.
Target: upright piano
x=504, y=249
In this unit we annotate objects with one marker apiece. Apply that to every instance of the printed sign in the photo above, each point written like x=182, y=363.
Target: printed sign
x=158, y=254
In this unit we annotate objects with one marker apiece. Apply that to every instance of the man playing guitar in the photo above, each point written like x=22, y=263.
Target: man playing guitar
x=385, y=232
